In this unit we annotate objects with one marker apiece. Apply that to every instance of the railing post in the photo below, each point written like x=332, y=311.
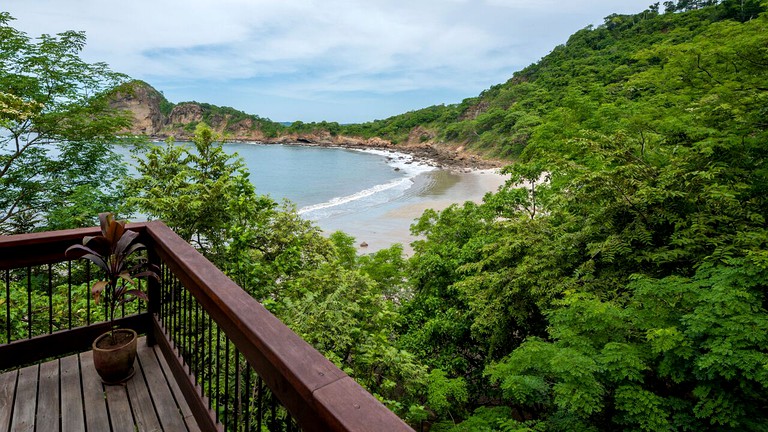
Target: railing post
x=153, y=293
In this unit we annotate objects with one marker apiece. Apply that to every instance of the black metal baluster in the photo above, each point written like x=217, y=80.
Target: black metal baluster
x=218, y=371
x=172, y=312
x=187, y=328
x=164, y=297
x=174, y=307
x=138, y=302
x=88, y=293
x=177, y=316
x=163, y=292
x=50, y=299
x=122, y=307
x=69, y=294
x=259, y=403
x=29, y=302
x=8, y=306
x=238, y=400
x=226, y=382
x=247, y=397
x=203, y=359
x=196, y=350
x=192, y=335
x=211, y=359
x=273, y=415
x=184, y=328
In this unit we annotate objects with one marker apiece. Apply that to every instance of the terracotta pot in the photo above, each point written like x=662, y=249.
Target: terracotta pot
x=114, y=362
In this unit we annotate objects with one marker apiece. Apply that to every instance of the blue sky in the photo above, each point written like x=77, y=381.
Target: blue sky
x=311, y=60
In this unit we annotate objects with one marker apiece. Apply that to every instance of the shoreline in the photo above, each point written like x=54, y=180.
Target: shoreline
x=382, y=227
x=454, y=177
x=441, y=156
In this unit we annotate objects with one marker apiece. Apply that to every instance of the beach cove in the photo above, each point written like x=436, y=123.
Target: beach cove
x=380, y=228
x=373, y=193
x=380, y=215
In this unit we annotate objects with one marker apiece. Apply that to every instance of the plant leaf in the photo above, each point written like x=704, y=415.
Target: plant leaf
x=126, y=276
x=139, y=294
x=96, y=290
x=125, y=242
x=80, y=251
x=104, y=221
x=147, y=274
x=99, y=244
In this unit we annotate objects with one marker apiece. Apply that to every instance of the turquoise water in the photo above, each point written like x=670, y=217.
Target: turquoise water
x=373, y=195
x=326, y=182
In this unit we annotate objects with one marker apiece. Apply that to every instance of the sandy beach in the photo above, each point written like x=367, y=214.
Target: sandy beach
x=386, y=225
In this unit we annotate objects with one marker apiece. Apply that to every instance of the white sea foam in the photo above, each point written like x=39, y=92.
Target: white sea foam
x=356, y=196
x=385, y=192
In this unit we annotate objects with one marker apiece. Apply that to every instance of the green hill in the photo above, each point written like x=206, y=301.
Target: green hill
x=625, y=286
x=603, y=79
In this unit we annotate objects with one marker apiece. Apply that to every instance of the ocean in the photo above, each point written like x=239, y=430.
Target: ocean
x=373, y=195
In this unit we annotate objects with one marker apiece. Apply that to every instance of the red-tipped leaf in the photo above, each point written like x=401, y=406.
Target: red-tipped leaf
x=96, y=290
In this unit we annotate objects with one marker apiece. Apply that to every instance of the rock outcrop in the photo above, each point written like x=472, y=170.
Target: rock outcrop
x=185, y=113
x=143, y=102
x=155, y=117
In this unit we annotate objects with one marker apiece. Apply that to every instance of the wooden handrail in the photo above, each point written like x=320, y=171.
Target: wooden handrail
x=21, y=250
x=318, y=394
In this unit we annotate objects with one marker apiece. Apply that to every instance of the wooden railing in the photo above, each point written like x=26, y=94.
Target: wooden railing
x=239, y=367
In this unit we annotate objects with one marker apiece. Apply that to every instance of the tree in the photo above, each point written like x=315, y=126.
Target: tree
x=56, y=128
x=188, y=189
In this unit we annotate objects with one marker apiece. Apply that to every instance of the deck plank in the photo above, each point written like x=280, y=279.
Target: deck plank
x=26, y=400
x=7, y=391
x=72, y=418
x=96, y=417
x=68, y=395
x=141, y=402
x=120, y=414
x=161, y=393
x=47, y=418
x=186, y=411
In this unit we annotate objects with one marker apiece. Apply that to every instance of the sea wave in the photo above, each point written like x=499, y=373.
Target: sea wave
x=401, y=162
x=356, y=196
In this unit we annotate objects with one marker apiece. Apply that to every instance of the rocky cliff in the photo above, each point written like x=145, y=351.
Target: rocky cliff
x=154, y=116
x=144, y=103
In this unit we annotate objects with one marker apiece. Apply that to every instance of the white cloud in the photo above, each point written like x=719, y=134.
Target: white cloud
x=318, y=48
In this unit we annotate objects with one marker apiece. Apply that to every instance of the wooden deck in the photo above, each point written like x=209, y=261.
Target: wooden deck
x=67, y=395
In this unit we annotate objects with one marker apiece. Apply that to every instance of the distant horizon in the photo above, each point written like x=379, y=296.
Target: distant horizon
x=318, y=61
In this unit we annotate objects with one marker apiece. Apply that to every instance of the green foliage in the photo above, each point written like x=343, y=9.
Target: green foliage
x=200, y=192
x=676, y=353
x=444, y=392
x=229, y=118
x=56, y=129
x=343, y=313
x=618, y=281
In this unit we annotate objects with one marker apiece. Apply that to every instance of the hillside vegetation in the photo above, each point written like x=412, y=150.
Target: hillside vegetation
x=601, y=79
x=625, y=287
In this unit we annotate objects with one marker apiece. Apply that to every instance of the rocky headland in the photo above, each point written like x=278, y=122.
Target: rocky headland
x=156, y=118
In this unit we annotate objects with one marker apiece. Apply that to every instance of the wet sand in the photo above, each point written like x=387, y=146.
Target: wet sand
x=387, y=224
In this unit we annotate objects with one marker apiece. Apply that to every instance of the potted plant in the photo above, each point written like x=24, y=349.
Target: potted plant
x=113, y=251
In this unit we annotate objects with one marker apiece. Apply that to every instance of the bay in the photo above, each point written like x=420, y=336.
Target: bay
x=374, y=195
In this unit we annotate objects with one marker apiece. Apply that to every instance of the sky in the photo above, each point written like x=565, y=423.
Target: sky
x=313, y=60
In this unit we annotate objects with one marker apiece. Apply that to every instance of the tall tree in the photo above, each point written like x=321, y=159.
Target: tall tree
x=56, y=128
x=200, y=191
